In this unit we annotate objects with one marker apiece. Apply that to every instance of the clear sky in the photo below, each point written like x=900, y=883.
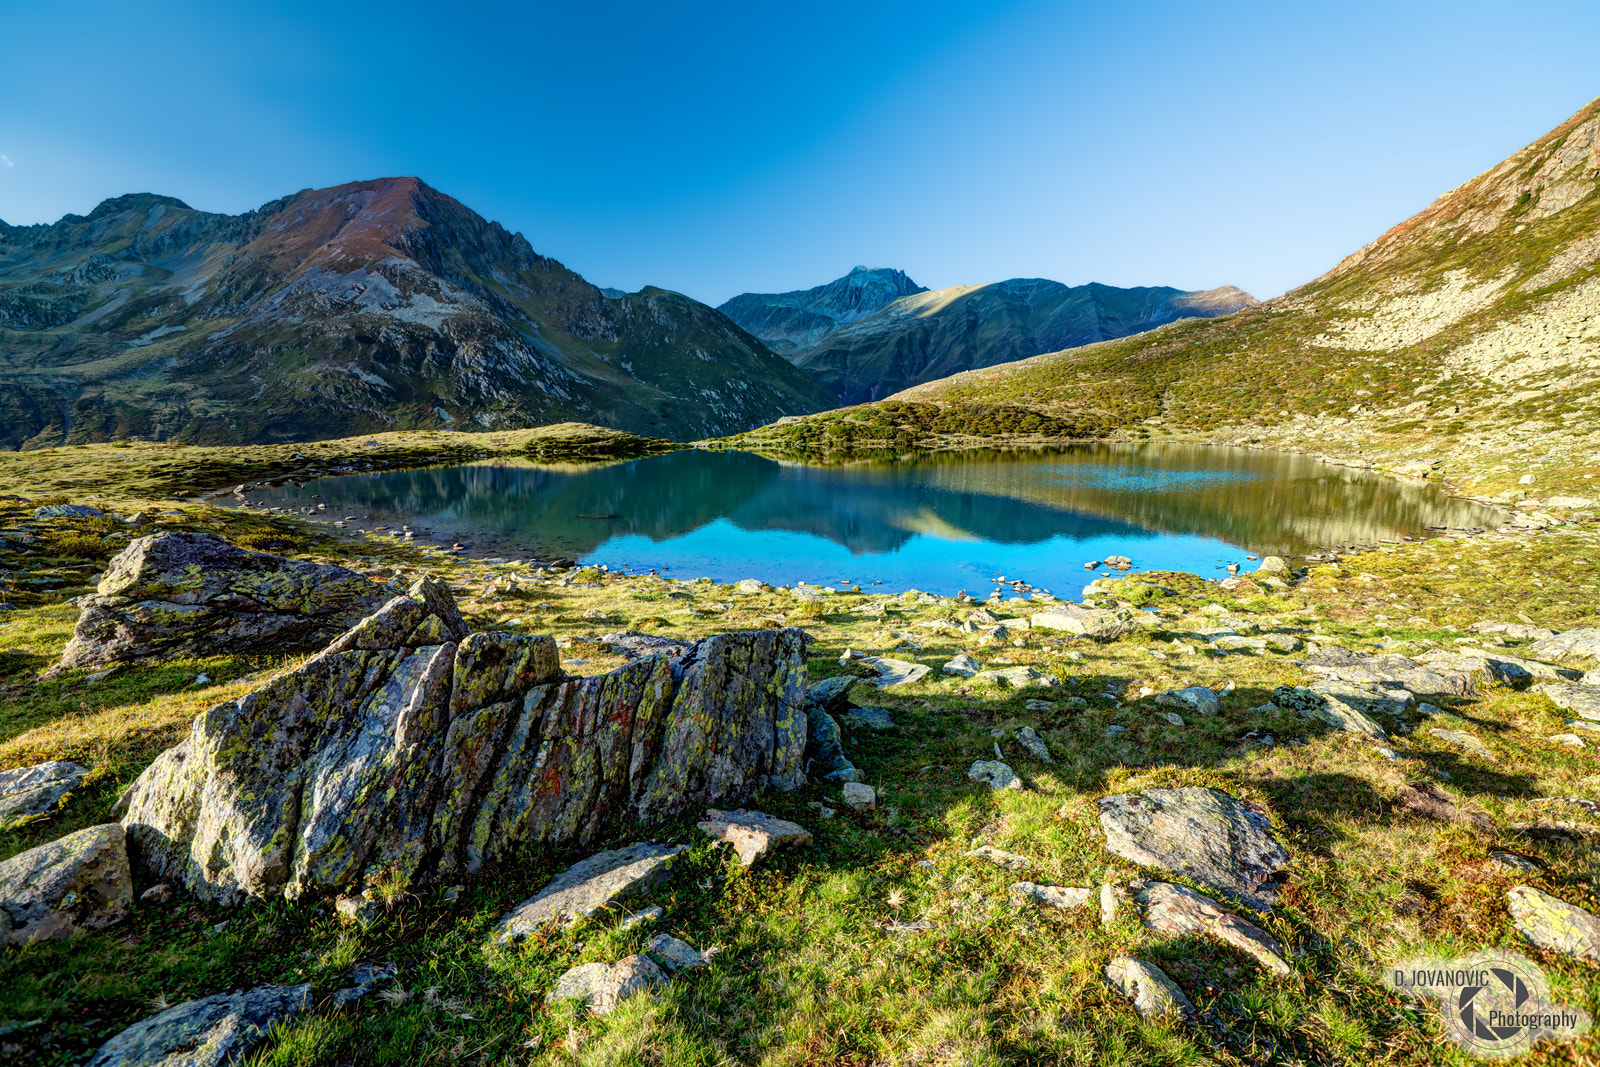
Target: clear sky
x=715, y=147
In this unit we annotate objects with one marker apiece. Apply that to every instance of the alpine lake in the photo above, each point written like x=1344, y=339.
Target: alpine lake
x=940, y=522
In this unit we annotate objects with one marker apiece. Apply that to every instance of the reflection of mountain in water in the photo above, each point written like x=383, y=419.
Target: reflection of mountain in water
x=1264, y=501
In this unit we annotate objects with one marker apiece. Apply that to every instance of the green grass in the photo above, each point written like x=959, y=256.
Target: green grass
x=806, y=973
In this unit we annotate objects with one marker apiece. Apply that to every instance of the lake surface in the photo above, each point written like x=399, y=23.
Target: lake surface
x=941, y=523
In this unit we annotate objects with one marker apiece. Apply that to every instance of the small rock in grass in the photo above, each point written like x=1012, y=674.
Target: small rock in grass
x=1174, y=718
x=649, y=915
x=1551, y=923
x=1154, y=995
x=858, y=796
x=870, y=718
x=1180, y=911
x=994, y=774
x=1110, y=900
x=1513, y=862
x=604, y=986
x=1570, y=740
x=1464, y=740
x=1029, y=739
x=1198, y=699
x=220, y=1029
x=1114, y=730
x=677, y=955
x=753, y=834
x=591, y=885
x=999, y=857
x=160, y=893
x=1064, y=897
x=356, y=909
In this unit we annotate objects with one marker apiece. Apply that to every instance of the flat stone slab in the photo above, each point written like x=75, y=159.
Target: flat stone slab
x=1199, y=699
x=1577, y=644
x=79, y=882
x=1015, y=677
x=1029, y=739
x=893, y=672
x=1581, y=700
x=1086, y=622
x=604, y=986
x=829, y=692
x=999, y=857
x=753, y=834
x=870, y=718
x=1552, y=923
x=676, y=955
x=67, y=511
x=994, y=774
x=1065, y=897
x=963, y=666
x=1517, y=631
x=635, y=645
x=588, y=886
x=1462, y=739
x=37, y=790
x=1344, y=706
x=220, y=1029
x=1180, y=911
x=1154, y=995
x=1202, y=833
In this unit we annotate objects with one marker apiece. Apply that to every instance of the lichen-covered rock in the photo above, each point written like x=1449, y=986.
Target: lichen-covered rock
x=183, y=594
x=1029, y=739
x=754, y=835
x=1198, y=699
x=676, y=955
x=67, y=511
x=1582, y=700
x=1581, y=644
x=824, y=754
x=604, y=986
x=208, y=1032
x=1180, y=911
x=1203, y=833
x=1552, y=923
x=1154, y=995
x=413, y=749
x=1064, y=897
x=1010, y=861
x=1390, y=670
x=76, y=883
x=37, y=790
x=994, y=774
x=1342, y=705
x=1086, y=622
x=594, y=884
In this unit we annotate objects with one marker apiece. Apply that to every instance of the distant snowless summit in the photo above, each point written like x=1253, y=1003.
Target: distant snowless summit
x=874, y=332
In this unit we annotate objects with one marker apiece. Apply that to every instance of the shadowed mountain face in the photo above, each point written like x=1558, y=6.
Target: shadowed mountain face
x=890, y=340
x=375, y=305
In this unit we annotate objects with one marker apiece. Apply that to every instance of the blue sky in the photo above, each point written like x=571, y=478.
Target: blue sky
x=715, y=148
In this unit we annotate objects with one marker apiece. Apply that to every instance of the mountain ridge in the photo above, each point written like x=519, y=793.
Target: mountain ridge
x=382, y=304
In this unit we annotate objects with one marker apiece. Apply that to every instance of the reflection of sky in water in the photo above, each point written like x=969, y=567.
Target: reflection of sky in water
x=1142, y=479
x=935, y=564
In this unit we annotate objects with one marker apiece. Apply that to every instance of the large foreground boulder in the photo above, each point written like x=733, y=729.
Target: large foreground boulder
x=1203, y=833
x=37, y=790
x=77, y=883
x=184, y=594
x=412, y=749
x=208, y=1032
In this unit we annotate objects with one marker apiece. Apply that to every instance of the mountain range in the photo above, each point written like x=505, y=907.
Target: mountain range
x=378, y=305
x=875, y=331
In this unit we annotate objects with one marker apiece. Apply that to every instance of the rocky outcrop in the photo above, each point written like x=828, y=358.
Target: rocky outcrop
x=183, y=594
x=413, y=749
x=208, y=1032
x=77, y=883
x=1581, y=644
x=37, y=790
x=1202, y=833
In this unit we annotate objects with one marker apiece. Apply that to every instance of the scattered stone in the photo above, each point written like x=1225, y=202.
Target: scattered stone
x=363, y=978
x=1515, y=630
x=677, y=955
x=1342, y=706
x=891, y=672
x=752, y=585
x=1154, y=995
x=900, y=927
x=649, y=915
x=635, y=645
x=1461, y=739
x=67, y=511
x=1570, y=740
x=1390, y=670
x=1174, y=718
x=604, y=986
x=1481, y=666
x=1094, y=624
x=1029, y=739
x=355, y=909
x=870, y=718
x=79, y=882
x=1196, y=698
x=858, y=796
x=994, y=774
x=1553, y=924
x=1113, y=730
x=1180, y=911
x=37, y=790
x=414, y=747
x=753, y=835
x=1015, y=678
x=600, y=615
x=1064, y=897
x=220, y=1029
x=1577, y=644
x=999, y=857
x=963, y=666
x=1202, y=833
x=1582, y=700
x=592, y=885
x=1284, y=642
x=1110, y=898
x=1513, y=862
x=181, y=594
x=158, y=894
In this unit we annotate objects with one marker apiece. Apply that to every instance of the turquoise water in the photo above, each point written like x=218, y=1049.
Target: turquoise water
x=941, y=523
